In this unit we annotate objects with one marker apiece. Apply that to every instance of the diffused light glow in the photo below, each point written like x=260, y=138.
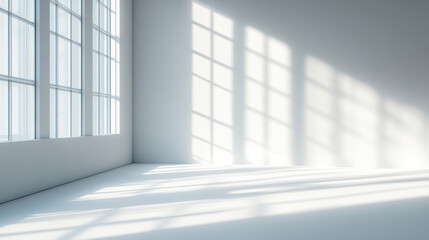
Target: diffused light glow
x=212, y=86
x=268, y=100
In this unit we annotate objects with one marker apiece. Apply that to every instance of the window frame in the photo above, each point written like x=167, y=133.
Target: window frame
x=10, y=80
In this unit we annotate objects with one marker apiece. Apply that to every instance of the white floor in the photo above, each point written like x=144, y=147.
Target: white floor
x=213, y=202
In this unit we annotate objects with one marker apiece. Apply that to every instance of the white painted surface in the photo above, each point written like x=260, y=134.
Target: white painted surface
x=358, y=82
x=142, y=201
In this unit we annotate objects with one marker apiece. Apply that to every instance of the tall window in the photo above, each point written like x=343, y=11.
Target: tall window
x=65, y=68
x=106, y=82
x=17, y=70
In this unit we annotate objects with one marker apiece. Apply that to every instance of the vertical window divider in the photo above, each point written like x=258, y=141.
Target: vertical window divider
x=42, y=47
x=9, y=83
x=87, y=68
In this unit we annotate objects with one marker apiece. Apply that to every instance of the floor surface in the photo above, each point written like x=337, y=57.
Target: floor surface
x=142, y=201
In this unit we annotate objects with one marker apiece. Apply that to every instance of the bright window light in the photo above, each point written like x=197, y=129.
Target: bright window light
x=17, y=70
x=106, y=80
x=65, y=68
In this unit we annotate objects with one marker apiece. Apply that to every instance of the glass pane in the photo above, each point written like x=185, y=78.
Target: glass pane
x=76, y=6
x=113, y=77
x=66, y=3
x=23, y=112
x=103, y=43
x=95, y=115
x=76, y=66
x=95, y=40
x=103, y=74
x=22, y=49
x=112, y=48
x=103, y=116
x=24, y=9
x=63, y=62
x=95, y=72
x=118, y=117
x=76, y=115
x=52, y=18
x=95, y=10
x=53, y=59
x=4, y=4
x=4, y=62
x=113, y=23
x=118, y=80
x=63, y=114
x=63, y=23
x=103, y=17
x=113, y=116
x=76, y=29
x=4, y=111
x=53, y=114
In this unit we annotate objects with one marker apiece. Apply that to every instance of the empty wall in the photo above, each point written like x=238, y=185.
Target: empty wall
x=31, y=166
x=317, y=83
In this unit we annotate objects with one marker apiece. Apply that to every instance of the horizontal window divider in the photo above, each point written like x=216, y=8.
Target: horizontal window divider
x=13, y=15
x=65, y=38
x=105, y=55
x=65, y=8
x=106, y=95
x=17, y=80
x=99, y=29
x=67, y=89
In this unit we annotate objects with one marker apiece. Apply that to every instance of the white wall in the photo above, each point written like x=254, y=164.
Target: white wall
x=358, y=88
x=31, y=166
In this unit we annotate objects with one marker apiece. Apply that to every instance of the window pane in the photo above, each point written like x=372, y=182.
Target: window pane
x=118, y=82
x=112, y=48
x=22, y=50
x=76, y=114
x=76, y=27
x=95, y=9
x=53, y=113
x=103, y=17
x=95, y=40
x=95, y=72
x=76, y=66
x=24, y=9
x=63, y=23
x=66, y=3
x=4, y=111
x=23, y=117
x=63, y=62
x=4, y=61
x=76, y=6
x=103, y=116
x=103, y=43
x=52, y=18
x=53, y=59
x=95, y=111
x=4, y=4
x=113, y=116
x=118, y=117
x=103, y=74
x=113, y=77
x=63, y=114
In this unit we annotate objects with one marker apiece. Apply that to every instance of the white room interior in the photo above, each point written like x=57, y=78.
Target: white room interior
x=211, y=119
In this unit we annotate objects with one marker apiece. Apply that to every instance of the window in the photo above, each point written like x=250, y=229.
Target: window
x=65, y=68
x=17, y=70
x=106, y=82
